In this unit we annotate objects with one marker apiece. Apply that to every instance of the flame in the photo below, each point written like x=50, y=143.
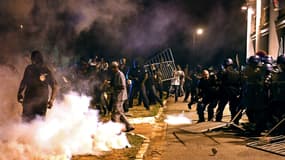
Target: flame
x=70, y=128
x=177, y=119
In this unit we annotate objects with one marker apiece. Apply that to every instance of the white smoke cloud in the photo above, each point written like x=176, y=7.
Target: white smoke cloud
x=70, y=128
x=108, y=12
x=177, y=119
x=120, y=27
x=10, y=79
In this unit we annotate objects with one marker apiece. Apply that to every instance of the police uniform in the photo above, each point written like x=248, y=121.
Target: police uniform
x=230, y=89
x=277, y=102
x=256, y=96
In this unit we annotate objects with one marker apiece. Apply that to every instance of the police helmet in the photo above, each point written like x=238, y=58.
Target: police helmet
x=268, y=67
x=253, y=60
x=267, y=59
x=228, y=62
x=281, y=59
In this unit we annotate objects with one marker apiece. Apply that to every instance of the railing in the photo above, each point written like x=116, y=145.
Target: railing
x=164, y=62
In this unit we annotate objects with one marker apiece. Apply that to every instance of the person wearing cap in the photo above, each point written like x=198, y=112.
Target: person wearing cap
x=34, y=91
x=119, y=96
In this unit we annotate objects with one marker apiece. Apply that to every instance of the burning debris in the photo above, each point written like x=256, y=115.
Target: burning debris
x=70, y=128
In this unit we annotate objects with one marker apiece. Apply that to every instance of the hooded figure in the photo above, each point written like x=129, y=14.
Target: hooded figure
x=34, y=92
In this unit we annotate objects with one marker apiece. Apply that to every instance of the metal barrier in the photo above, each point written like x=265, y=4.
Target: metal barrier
x=204, y=127
x=274, y=145
x=164, y=62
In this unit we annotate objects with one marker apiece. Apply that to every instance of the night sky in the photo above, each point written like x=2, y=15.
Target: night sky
x=125, y=28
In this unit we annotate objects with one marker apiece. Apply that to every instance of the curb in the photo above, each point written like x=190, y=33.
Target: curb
x=142, y=151
x=144, y=147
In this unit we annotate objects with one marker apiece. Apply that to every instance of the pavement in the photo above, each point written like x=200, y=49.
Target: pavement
x=168, y=142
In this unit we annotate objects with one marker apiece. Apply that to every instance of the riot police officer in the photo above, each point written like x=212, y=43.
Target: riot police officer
x=255, y=92
x=230, y=90
x=277, y=88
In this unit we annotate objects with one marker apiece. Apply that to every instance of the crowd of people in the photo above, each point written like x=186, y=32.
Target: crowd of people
x=113, y=86
x=256, y=88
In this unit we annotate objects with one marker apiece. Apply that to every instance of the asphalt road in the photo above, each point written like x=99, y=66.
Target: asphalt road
x=220, y=144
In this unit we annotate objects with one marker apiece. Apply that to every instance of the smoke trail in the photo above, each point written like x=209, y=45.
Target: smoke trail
x=70, y=128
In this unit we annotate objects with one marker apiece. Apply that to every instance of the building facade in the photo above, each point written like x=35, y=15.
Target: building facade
x=265, y=27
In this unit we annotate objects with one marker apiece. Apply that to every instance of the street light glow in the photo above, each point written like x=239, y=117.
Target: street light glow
x=199, y=31
x=244, y=8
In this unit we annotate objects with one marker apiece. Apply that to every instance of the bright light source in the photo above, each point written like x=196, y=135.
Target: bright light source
x=244, y=8
x=250, y=11
x=199, y=31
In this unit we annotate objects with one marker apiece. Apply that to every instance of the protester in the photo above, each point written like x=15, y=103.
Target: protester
x=207, y=92
x=34, y=91
x=119, y=96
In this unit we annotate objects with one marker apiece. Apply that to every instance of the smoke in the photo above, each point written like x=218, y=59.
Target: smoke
x=109, y=28
x=10, y=109
x=70, y=128
x=171, y=25
x=64, y=29
x=122, y=28
x=155, y=29
x=11, y=71
x=144, y=32
x=110, y=13
x=225, y=32
x=53, y=25
x=177, y=119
